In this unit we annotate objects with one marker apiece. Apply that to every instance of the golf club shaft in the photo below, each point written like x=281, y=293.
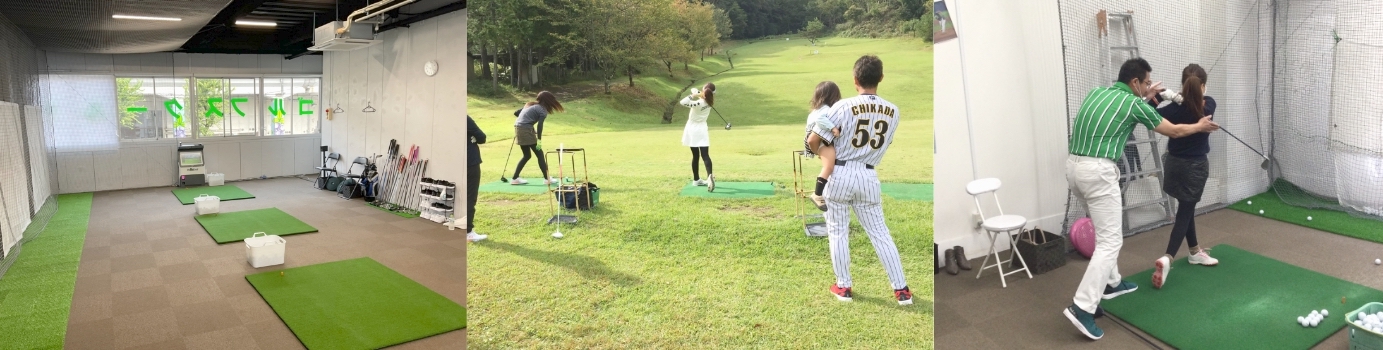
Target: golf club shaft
x=1246, y=144
x=722, y=118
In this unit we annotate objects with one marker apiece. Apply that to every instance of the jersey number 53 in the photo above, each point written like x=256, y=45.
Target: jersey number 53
x=864, y=137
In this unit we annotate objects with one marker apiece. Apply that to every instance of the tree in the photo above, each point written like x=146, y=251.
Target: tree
x=206, y=89
x=723, y=27
x=814, y=30
x=127, y=96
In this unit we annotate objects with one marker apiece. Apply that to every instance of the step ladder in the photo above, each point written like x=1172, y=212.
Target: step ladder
x=1131, y=166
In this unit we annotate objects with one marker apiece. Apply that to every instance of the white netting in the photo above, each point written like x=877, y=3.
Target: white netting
x=1293, y=79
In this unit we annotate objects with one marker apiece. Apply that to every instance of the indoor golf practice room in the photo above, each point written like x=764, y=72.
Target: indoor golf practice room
x=1244, y=211
x=232, y=174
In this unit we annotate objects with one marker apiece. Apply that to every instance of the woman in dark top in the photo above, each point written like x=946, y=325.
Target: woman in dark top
x=474, y=138
x=1187, y=168
x=529, y=138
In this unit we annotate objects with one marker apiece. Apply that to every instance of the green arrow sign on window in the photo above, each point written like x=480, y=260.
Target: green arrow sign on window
x=276, y=108
x=304, y=110
x=235, y=104
x=177, y=115
x=211, y=107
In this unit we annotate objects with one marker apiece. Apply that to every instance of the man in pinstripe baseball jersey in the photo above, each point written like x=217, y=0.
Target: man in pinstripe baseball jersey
x=1102, y=126
x=867, y=123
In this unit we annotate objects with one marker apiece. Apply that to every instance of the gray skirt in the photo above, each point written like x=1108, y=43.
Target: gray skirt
x=525, y=136
x=1184, y=178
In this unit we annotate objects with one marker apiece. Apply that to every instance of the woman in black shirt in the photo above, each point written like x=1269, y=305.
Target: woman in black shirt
x=1187, y=168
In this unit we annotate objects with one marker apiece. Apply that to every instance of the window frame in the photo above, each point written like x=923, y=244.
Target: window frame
x=192, y=112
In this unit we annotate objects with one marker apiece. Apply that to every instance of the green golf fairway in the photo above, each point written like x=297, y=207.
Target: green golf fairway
x=227, y=193
x=1336, y=222
x=505, y=187
x=36, y=293
x=237, y=226
x=356, y=304
x=736, y=190
x=1247, y=302
x=916, y=192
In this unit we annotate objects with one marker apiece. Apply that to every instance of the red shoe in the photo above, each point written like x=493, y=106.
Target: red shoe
x=904, y=296
x=843, y=294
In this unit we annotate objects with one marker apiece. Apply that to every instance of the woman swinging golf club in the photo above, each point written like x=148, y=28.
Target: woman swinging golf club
x=695, y=134
x=529, y=139
x=1187, y=168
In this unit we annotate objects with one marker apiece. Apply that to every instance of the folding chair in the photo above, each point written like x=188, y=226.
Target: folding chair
x=1006, y=224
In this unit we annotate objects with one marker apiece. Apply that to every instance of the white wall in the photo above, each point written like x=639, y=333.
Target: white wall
x=411, y=107
x=1000, y=112
x=151, y=163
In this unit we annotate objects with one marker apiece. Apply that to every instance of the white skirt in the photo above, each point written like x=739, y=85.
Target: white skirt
x=695, y=135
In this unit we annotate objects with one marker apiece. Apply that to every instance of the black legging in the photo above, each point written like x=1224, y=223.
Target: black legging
x=528, y=152
x=1185, y=227
x=472, y=194
x=703, y=153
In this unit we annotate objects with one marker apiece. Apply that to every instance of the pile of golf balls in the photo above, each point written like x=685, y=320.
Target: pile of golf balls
x=1313, y=319
x=1373, y=322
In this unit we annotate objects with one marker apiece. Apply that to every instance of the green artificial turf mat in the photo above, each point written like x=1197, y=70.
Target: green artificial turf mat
x=1247, y=302
x=36, y=292
x=916, y=192
x=1332, y=221
x=227, y=193
x=505, y=187
x=356, y=304
x=731, y=190
x=237, y=226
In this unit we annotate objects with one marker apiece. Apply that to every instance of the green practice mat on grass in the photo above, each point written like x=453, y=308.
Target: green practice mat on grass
x=36, y=292
x=356, y=304
x=237, y=226
x=505, y=187
x=227, y=193
x=731, y=190
x=1247, y=302
x=1336, y=222
x=916, y=192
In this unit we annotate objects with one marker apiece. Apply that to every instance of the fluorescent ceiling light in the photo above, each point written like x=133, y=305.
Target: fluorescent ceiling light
x=255, y=23
x=147, y=18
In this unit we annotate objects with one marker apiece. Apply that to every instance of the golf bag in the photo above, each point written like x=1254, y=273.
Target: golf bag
x=586, y=196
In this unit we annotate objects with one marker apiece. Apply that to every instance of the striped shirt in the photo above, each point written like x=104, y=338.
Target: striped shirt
x=867, y=123
x=1106, y=118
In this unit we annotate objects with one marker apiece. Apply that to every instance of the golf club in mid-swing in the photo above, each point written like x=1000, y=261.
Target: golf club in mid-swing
x=506, y=160
x=1267, y=162
x=696, y=91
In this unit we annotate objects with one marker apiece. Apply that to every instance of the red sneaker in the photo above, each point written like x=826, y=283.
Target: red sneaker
x=843, y=294
x=904, y=296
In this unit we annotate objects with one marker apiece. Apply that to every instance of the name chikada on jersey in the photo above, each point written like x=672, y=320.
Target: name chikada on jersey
x=873, y=108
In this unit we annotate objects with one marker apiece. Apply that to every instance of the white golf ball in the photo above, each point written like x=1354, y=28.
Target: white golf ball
x=1250, y=202
x=1325, y=312
x=1308, y=218
x=1315, y=322
x=1300, y=319
x=1260, y=211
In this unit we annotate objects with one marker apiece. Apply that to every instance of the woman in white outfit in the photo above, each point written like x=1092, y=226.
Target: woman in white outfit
x=695, y=134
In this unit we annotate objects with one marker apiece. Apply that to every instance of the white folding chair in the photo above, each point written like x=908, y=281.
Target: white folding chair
x=1006, y=224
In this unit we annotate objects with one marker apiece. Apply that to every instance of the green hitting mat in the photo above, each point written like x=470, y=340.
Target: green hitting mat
x=916, y=192
x=356, y=304
x=505, y=187
x=227, y=193
x=237, y=226
x=1336, y=222
x=1247, y=302
x=731, y=190
x=36, y=292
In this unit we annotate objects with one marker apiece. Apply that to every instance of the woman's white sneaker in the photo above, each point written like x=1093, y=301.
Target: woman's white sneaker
x=518, y=181
x=1201, y=258
x=475, y=237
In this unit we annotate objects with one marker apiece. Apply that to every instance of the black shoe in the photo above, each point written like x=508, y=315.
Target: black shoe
x=951, y=267
x=961, y=260
x=428, y=180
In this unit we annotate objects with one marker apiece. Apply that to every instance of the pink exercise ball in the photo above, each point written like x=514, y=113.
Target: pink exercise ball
x=1083, y=237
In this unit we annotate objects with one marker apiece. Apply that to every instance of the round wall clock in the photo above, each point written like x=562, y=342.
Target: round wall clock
x=430, y=68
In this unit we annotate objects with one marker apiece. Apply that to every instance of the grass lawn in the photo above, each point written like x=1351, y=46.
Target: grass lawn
x=651, y=269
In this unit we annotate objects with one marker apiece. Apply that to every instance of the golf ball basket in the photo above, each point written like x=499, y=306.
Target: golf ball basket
x=802, y=191
x=557, y=210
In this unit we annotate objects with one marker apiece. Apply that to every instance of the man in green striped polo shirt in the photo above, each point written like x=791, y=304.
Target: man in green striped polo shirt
x=1106, y=118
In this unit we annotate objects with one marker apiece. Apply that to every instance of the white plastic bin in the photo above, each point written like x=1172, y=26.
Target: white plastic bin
x=264, y=250
x=215, y=179
x=207, y=204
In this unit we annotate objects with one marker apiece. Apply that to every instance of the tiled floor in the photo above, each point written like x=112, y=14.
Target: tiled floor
x=151, y=278
x=980, y=314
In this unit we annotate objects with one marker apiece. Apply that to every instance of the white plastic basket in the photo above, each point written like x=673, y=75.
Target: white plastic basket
x=215, y=179
x=207, y=204
x=264, y=250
